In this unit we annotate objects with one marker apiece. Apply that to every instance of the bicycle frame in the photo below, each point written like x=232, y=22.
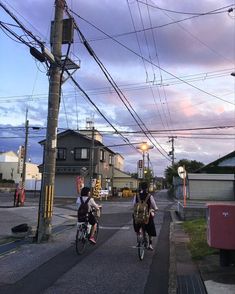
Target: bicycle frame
x=83, y=234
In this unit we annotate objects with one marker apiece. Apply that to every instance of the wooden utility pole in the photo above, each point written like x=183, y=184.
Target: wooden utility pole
x=172, y=152
x=49, y=161
x=25, y=150
x=92, y=156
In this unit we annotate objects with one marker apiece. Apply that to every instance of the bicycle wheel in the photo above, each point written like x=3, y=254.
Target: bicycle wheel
x=141, y=245
x=81, y=241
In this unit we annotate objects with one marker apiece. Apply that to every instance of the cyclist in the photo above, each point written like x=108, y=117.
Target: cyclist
x=150, y=227
x=85, y=194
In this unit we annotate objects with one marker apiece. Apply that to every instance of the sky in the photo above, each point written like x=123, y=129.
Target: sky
x=171, y=60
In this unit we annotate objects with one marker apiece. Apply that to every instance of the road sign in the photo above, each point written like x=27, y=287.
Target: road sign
x=84, y=171
x=181, y=172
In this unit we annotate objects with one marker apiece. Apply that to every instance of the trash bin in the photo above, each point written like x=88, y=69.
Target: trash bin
x=221, y=229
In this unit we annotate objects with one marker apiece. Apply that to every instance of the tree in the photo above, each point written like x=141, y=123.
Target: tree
x=190, y=166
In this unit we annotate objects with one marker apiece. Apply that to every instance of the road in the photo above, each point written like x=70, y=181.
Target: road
x=112, y=265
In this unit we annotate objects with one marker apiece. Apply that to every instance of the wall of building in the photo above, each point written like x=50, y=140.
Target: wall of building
x=65, y=186
x=216, y=187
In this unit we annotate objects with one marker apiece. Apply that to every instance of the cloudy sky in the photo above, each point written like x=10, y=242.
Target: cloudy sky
x=171, y=61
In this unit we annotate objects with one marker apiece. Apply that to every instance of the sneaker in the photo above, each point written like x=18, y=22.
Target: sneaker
x=150, y=247
x=92, y=240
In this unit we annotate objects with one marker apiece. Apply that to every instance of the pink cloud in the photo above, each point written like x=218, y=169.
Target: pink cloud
x=187, y=108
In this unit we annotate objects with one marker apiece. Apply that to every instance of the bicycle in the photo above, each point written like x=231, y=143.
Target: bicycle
x=83, y=233
x=142, y=241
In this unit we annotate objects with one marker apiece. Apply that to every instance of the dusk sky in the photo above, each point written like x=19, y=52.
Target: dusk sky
x=171, y=60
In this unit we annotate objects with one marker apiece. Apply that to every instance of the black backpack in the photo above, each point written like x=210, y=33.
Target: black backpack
x=83, y=210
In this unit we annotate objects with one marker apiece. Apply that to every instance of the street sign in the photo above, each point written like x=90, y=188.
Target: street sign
x=84, y=171
x=181, y=172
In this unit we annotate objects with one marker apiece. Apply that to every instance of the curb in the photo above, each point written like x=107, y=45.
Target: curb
x=172, y=289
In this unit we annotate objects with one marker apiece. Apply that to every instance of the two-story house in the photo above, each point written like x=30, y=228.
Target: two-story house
x=81, y=153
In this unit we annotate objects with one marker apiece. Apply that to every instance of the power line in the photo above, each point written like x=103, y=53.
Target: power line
x=105, y=118
x=137, y=38
x=117, y=90
x=169, y=73
x=186, y=129
x=147, y=29
x=216, y=11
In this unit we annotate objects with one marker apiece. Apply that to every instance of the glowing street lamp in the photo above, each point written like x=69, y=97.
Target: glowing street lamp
x=144, y=147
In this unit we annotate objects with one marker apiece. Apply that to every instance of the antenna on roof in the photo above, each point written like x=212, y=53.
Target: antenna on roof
x=90, y=123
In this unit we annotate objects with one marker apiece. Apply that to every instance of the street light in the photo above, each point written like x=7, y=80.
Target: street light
x=144, y=147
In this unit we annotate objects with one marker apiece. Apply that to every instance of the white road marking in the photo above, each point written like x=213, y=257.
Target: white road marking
x=114, y=228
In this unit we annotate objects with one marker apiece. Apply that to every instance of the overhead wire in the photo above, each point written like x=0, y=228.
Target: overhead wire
x=154, y=27
x=137, y=39
x=98, y=110
x=216, y=11
x=146, y=41
x=167, y=72
x=161, y=78
x=121, y=95
x=196, y=38
x=30, y=34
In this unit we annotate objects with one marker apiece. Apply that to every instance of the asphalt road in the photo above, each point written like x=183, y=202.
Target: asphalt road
x=112, y=265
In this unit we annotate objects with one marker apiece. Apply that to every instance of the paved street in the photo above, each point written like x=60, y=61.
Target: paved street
x=111, y=266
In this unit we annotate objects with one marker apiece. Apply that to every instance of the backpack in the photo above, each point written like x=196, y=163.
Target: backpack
x=83, y=210
x=141, y=211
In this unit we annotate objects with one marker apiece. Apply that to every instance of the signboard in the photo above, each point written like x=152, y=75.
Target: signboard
x=84, y=171
x=140, y=169
x=140, y=173
x=97, y=189
x=21, y=154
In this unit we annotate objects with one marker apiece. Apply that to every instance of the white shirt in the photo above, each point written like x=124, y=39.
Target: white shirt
x=91, y=203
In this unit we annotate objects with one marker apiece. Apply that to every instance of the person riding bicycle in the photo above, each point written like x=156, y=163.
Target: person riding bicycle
x=152, y=207
x=86, y=196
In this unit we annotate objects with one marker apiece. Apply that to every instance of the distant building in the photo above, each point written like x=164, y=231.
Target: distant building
x=9, y=171
x=122, y=180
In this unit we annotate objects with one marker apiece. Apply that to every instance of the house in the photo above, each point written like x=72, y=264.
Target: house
x=223, y=165
x=214, y=181
x=81, y=153
x=9, y=170
x=122, y=180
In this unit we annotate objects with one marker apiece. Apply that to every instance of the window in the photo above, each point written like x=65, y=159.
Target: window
x=61, y=153
x=110, y=159
x=101, y=155
x=81, y=153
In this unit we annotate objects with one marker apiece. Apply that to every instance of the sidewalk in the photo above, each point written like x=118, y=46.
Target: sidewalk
x=204, y=276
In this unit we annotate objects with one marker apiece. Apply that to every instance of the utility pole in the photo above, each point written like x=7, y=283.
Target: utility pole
x=92, y=156
x=25, y=149
x=49, y=161
x=172, y=152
